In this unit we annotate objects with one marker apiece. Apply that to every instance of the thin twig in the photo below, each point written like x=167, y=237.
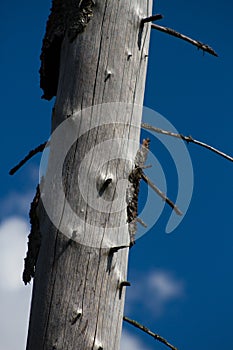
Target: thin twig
x=197, y=43
x=188, y=139
x=32, y=153
x=152, y=334
x=161, y=194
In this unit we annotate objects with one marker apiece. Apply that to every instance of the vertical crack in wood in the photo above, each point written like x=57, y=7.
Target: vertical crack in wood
x=34, y=240
x=67, y=17
x=133, y=189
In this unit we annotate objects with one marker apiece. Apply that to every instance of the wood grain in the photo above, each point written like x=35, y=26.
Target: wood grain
x=104, y=64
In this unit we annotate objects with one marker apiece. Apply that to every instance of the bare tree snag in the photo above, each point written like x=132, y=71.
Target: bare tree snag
x=90, y=56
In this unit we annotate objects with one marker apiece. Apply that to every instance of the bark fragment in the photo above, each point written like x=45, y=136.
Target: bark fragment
x=34, y=240
x=67, y=16
x=133, y=189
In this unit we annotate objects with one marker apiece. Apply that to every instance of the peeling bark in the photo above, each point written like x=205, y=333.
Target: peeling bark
x=71, y=17
x=133, y=189
x=34, y=240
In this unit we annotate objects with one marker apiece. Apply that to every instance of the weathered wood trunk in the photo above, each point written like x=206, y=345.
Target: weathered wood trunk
x=77, y=296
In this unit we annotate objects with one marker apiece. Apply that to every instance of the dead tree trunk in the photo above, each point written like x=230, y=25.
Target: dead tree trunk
x=78, y=295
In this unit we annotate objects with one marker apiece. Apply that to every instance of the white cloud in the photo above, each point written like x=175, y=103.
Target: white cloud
x=13, y=245
x=14, y=318
x=129, y=342
x=155, y=291
x=14, y=296
x=165, y=285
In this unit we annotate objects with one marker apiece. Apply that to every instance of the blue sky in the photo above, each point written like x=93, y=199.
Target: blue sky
x=182, y=283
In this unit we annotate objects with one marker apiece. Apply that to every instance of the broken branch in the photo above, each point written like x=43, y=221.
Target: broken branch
x=152, y=18
x=161, y=194
x=148, y=331
x=188, y=139
x=197, y=43
x=140, y=221
x=32, y=153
